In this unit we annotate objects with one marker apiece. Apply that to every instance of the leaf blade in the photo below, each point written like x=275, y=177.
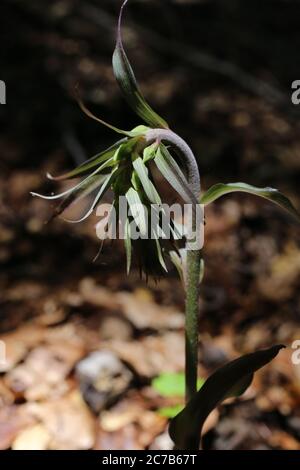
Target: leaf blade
x=138, y=210
x=90, y=163
x=173, y=174
x=235, y=376
x=271, y=194
x=126, y=79
x=147, y=184
x=128, y=245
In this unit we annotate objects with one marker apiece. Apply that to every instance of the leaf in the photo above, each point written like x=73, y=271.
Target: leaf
x=202, y=270
x=149, y=152
x=86, y=111
x=125, y=77
x=170, y=411
x=138, y=210
x=149, y=188
x=105, y=186
x=169, y=384
x=83, y=183
x=137, y=131
x=179, y=259
x=173, y=174
x=91, y=163
x=271, y=194
x=78, y=194
x=229, y=380
x=128, y=245
x=160, y=255
x=176, y=259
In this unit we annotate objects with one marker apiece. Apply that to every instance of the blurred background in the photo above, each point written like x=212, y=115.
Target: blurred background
x=84, y=341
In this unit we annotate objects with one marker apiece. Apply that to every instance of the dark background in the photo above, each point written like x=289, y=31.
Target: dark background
x=220, y=72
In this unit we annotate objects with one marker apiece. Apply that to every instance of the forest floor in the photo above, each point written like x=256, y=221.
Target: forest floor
x=84, y=342
x=58, y=307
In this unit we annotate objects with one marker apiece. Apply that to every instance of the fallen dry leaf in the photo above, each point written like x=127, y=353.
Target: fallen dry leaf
x=96, y=295
x=42, y=374
x=13, y=419
x=138, y=307
x=33, y=438
x=144, y=313
x=6, y=396
x=19, y=342
x=153, y=354
x=284, y=440
x=67, y=420
x=126, y=438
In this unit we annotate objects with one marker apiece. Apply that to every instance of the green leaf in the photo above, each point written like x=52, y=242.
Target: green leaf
x=176, y=259
x=171, y=384
x=105, y=186
x=149, y=188
x=139, y=130
x=138, y=210
x=229, y=380
x=160, y=255
x=170, y=411
x=128, y=84
x=83, y=183
x=128, y=245
x=86, y=111
x=179, y=259
x=149, y=152
x=202, y=270
x=270, y=194
x=78, y=194
x=91, y=163
x=173, y=174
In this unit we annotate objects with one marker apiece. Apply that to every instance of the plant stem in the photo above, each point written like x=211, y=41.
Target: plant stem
x=191, y=322
x=193, y=256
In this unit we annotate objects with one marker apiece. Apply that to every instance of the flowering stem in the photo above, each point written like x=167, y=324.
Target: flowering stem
x=191, y=322
x=193, y=257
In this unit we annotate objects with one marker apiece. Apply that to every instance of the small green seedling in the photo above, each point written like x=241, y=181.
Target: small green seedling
x=172, y=385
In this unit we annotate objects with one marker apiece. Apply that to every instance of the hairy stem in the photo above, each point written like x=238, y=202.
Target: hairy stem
x=191, y=323
x=193, y=256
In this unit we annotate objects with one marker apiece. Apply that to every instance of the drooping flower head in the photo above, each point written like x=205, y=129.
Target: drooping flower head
x=125, y=168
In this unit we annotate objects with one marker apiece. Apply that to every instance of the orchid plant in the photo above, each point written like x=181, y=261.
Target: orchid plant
x=125, y=168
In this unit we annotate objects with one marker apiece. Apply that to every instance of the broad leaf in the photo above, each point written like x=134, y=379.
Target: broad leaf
x=128, y=84
x=270, y=194
x=228, y=381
